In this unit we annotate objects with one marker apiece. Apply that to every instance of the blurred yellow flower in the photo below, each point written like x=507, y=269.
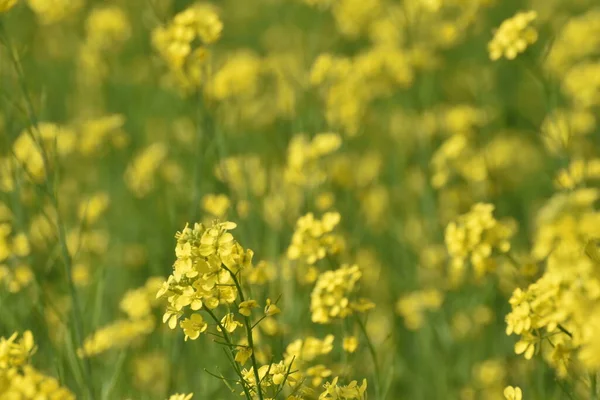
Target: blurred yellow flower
x=513, y=393
x=6, y=5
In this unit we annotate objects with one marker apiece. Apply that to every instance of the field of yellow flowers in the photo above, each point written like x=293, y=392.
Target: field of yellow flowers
x=299, y=199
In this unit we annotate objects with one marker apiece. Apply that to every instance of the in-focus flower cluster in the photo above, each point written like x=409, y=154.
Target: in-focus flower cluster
x=202, y=275
x=19, y=379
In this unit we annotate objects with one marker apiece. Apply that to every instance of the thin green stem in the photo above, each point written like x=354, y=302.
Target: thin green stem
x=373, y=353
x=49, y=184
x=249, y=337
x=231, y=346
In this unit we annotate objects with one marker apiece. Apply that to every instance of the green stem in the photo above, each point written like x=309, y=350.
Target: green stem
x=231, y=346
x=373, y=353
x=249, y=337
x=51, y=182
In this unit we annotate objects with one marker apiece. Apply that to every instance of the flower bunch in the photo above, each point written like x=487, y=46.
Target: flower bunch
x=182, y=43
x=513, y=36
x=474, y=237
x=331, y=297
x=207, y=259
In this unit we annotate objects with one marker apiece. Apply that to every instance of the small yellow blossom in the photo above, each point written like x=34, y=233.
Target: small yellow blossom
x=193, y=326
x=245, y=307
x=271, y=308
x=513, y=393
x=181, y=396
x=6, y=5
x=350, y=344
x=243, y=354
x=229, y=323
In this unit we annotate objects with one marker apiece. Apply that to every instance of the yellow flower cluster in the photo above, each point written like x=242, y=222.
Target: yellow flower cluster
x=582, y=84
x=182, y=43
x=6, y=5
x=54, y=11
x=107, y=28
x=473, y=238
x=568, y=131
x=304, y=167
x=352, y=391
x=309, y=348
x=137, y=304
x=367, y=77
x=202, y=275
x=467, y=324
x=513, y=36
x=578, y=173
x=583, y=29
x=15, y=273
x=349, y=85
x=140, y=175
x=216, y=205
x=117, y=334
x=412, y=307
x=331, y=297
x=386, y=113
x=314, y=239
x=272, y=376
x=236, y=172
x=513, y=393
x=96, y=134
x=555, y=315
x=20, y=380
x=36, y=148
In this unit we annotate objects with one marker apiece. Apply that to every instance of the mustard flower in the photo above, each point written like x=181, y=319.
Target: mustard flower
x=245, y=307
x=193, y=326
x=350, y=344
x=229, y=323
x=178, y=396
x=352, y=391
x=513, y=36
x=331, y=296
x=6, y=5
x=309, y=348
x=271, y=309
x=513, y=393
x=243, y=354
x=202, y=273
x=475, y=236
x=314, y=239
x=318, y=373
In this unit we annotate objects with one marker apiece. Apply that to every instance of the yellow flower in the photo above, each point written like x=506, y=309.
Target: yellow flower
x=271, y=308
x=352, y=391
x=513, y=393
x=513, y=36
x=181, y=396
x=243, y=354
x=6, y=5
x=246, y=307
x=229, y=323
x=193, y=326
x=350, y=344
